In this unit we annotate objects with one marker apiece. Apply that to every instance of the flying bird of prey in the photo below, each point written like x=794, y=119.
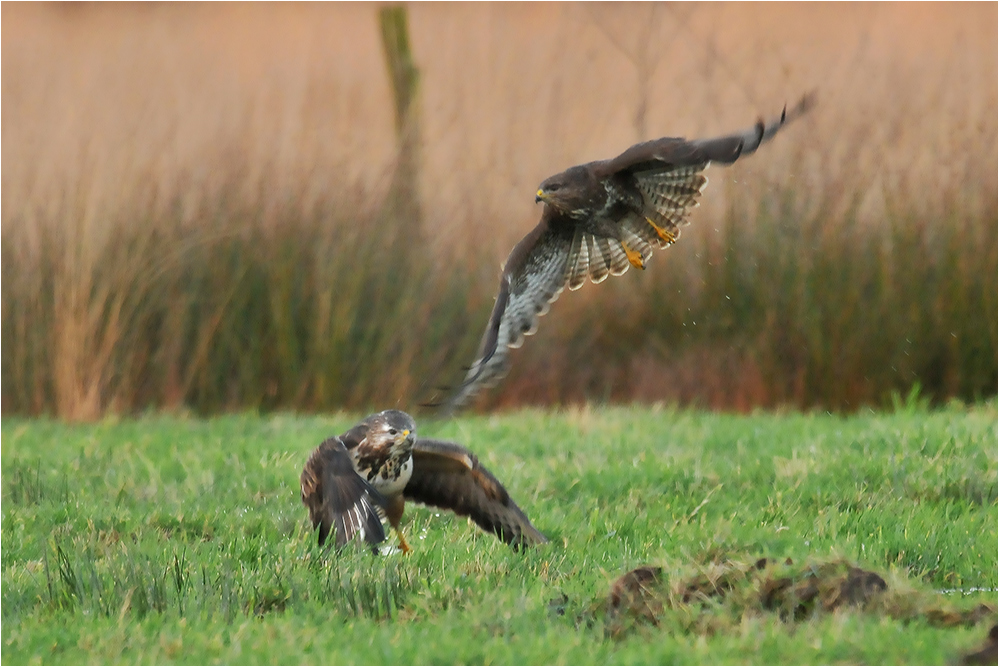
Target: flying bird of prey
x=599, y=219
x=352, y=480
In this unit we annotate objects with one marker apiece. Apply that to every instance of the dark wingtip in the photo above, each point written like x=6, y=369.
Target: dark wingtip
x=527, y=538
x=322, y=533
x=374, y=532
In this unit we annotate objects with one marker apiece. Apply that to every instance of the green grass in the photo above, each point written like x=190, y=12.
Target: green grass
x=177, y=540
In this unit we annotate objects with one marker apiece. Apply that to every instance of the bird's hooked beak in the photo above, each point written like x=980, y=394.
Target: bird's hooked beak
x=403, y=437
x=540, y=196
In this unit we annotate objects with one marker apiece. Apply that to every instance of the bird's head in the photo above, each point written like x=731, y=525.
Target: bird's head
x=393, y=429
x=567, y=190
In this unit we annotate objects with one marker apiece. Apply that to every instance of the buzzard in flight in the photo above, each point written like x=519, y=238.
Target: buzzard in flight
x=599, y=219
x=351, y=480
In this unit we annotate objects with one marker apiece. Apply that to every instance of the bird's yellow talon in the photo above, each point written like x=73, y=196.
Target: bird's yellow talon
x=661, y=232
x=634, y=257
x=403, y=545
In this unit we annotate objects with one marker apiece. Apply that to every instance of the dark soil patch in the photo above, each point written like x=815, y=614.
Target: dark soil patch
x=795, y=593
x=829, y=586
x=635, y=596
x=987, y=655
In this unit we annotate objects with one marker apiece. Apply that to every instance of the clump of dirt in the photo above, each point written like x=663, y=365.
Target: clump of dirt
x=947, y=618
x=642, y=596
x=635, y=596
x=987, y=656
x=828, y=586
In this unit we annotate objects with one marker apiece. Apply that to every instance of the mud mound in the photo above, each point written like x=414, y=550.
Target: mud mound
x=828, y=586
x=987, y=656
x=734, y=588
x=636, y=595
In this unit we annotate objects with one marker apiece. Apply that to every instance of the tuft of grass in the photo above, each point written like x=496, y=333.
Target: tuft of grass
x=311, y=315
x=183, y=540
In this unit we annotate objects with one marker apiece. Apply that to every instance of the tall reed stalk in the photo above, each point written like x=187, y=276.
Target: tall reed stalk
x=199, y=208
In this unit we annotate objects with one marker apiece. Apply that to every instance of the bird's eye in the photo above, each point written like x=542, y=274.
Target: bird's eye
x=392, y=432
x=554, y=187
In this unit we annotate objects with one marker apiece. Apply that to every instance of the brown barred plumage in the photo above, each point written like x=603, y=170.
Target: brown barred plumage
x=600, y=218
x=380, y=463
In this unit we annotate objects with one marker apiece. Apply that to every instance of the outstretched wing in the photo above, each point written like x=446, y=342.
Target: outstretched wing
x=448, y=476
x=669, y=153
x=669, y=175
x=533, y=276
x=659, y=181
x=338, y=498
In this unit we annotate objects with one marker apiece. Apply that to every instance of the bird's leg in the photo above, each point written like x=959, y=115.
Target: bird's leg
x=634, y=256
x=394, y=513
x=403, y=545
x=664, y=234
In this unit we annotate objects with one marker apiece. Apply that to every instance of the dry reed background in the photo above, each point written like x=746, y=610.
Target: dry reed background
x=192, y=204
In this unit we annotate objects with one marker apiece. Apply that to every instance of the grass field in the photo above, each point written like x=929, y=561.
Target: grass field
x=179, y=540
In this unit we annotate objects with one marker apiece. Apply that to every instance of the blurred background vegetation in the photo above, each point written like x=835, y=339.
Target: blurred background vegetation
x=202, y=210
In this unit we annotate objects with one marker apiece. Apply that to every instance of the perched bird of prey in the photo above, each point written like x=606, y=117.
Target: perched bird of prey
x=598, y=220
x=351, y=480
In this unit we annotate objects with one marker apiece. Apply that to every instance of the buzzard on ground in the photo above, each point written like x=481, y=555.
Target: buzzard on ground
x=599, y=219
x=351, y=480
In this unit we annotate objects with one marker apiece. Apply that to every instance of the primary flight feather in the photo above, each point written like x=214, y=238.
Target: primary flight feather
x=373, y=468
x=599, y=219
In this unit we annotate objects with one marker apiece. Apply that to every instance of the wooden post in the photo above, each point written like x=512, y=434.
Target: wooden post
x=403, y=199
